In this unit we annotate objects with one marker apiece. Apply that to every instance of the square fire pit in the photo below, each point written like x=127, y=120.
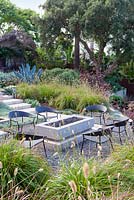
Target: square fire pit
x=68, y=128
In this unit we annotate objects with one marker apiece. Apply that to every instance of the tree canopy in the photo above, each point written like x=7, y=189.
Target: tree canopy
x=109, y=23
x=12, y=18
x=18, y=32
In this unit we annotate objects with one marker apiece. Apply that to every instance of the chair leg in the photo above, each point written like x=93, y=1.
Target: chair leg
x=99, y=145
x=99, y=140
x=111, y=143
x=37, y=119
x=82, y=144
x=126, y=131
x=104, y=119
x=120, y=136
x=100, y=119
x=110, y=139
x=44, y=147
x=30, y=144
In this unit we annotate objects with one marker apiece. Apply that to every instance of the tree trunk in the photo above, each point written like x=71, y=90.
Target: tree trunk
x=89, y=51
x=77, y=52
x=100, y=55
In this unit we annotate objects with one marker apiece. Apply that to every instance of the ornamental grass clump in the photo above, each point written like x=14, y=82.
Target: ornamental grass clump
x=62, y=96
x=20, y=168
x=90, y=180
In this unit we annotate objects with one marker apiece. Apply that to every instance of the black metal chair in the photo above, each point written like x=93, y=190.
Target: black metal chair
x=19, y=119
x=43, y=112
x=96, y=111
x=121, y=127
x=98, y=133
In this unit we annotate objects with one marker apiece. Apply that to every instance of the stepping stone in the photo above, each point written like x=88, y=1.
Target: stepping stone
x=3, y=134
x=12, y=101
x=5, y=97
x=20, y=106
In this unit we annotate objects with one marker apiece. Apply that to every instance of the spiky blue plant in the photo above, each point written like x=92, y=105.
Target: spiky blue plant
x=28, y=74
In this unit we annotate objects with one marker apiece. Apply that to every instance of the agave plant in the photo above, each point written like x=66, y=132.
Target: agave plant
x=28, y=74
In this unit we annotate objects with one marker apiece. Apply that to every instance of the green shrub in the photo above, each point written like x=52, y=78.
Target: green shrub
x=52, y=74
x=7, y=79
x=114, y=99
x=114, y=80
x=92, y=179
x=127, y=71
x=64, y=76
x=21, y=167
x=10, y=90
x=69, y=77
x=33, y=102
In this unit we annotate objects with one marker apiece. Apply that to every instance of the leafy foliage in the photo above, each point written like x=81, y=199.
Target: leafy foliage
x=7, y=79
x=63, y=76
x=114, y=99
x=127, y=71
x=107, y=23
x=113, y=79
x=12, y=17
x=33, y=102
x=28, y=75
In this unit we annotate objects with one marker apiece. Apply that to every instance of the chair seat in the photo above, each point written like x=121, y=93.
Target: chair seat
x=95, y=139
x=98, y=134
x=25, y=122
x=49, y=115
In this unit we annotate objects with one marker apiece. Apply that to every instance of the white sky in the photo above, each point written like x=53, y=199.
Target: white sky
x=32, y=4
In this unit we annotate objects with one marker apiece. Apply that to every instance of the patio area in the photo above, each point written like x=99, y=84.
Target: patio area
x=56, y=153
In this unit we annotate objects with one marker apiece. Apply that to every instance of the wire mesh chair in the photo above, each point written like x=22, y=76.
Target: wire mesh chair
x=96, y=111
x=120, y=127
x=98, y=133
x=43, y=112
x=19, y=119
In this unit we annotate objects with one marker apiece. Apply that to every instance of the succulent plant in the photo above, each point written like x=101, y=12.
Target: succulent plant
x=28, y=74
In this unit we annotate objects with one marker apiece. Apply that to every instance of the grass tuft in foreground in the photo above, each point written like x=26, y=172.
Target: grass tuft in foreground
x=20, y=169
x=90, y=180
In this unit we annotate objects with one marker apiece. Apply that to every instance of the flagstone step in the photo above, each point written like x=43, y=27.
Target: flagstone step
x=20, y=106
x=5, y=97
x=3, y=134
x=12, y=101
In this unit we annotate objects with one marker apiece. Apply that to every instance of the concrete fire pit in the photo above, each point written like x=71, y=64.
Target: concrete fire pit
x=63, y=131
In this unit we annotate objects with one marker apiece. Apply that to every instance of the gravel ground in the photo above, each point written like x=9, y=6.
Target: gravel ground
x=55, y=156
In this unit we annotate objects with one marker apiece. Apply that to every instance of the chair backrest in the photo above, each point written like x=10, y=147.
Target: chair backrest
x=97, y=108
x=40, y=109
x=17, y=113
